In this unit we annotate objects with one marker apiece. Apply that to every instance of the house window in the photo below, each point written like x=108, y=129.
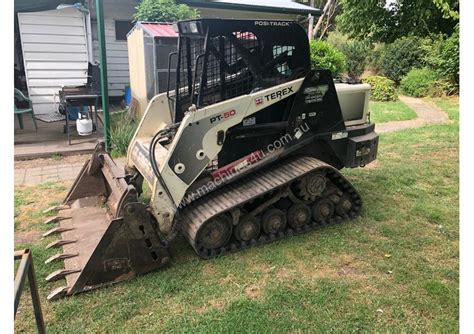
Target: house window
x=121, y=29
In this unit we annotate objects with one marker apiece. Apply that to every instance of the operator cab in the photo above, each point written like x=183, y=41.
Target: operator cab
x=221, y=59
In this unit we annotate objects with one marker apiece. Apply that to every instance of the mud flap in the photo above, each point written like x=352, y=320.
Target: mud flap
x=107, y=236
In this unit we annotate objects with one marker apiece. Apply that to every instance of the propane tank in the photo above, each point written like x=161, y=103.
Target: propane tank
x=84, y=125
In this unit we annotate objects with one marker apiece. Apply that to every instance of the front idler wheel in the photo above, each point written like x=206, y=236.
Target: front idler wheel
x=273, y=221
x=215, y=233
x=247, y=229
x=322, y=210
x=299, y=215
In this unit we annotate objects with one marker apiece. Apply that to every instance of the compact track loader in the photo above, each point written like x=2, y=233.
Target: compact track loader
x=244, y=150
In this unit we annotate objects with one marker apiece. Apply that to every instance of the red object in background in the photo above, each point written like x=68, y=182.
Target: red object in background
x=160, y=29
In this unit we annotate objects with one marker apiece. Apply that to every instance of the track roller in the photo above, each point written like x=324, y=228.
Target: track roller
x=322, y=210
x=298, y=214
x=216, y=232
x=273, y=221
x=247, y=229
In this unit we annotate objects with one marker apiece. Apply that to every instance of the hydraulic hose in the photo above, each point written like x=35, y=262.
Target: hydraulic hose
x=166, y=133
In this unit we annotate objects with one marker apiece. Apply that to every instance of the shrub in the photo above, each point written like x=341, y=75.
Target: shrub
x=375, y=55
x=399, y=57
x=383, y=89
x=357, y=53
x=163, y=11
x=326, y=56
x=357, y=56
x=122, y=130
x=421, y=82
x=442, y=55
x=337, y=39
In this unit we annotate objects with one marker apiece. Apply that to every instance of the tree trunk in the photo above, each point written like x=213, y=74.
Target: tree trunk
x=311, y=22
x=326, y=11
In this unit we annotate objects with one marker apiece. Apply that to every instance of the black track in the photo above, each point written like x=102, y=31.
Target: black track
x=271, y=179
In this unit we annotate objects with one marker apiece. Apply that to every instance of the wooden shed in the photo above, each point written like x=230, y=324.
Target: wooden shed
x=149, y=44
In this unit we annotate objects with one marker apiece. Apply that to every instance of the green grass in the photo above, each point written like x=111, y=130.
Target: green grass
x=122, y=130
x=394, y=269
x=448, y=104
x=390, y=111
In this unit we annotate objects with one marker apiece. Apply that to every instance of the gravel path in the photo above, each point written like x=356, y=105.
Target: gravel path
x=427, y=114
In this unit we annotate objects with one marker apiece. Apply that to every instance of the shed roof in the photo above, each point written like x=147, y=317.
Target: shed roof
x=159, y=29
x=270, y=6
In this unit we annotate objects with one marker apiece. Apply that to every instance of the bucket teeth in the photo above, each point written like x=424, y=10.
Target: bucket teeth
x=58, y=293
x=60, y=273
x=55, y=219
x=59, y=243
x=56, y=208
x=60, y=256
x=56, y=230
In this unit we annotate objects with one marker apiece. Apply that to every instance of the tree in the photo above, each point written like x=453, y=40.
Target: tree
x=387, y=20
x=325, y=22
x=163, y=11
x=442, y=55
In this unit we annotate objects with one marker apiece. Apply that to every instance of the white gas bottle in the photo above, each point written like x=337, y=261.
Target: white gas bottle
x=84, y=125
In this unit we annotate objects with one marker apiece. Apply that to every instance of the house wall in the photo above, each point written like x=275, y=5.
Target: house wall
x=55, y=54
x=117, y=51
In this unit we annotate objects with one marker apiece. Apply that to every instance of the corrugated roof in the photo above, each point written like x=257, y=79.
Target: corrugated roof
x=270, y=6
x=159, y=29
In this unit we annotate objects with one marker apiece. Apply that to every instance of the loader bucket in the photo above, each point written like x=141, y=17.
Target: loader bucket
x=107, y=236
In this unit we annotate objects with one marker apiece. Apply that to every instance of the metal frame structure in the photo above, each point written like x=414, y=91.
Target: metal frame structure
x=103, y=72
x=26, y=269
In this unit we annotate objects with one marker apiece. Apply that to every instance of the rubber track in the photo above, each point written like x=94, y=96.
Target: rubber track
x=262, y=182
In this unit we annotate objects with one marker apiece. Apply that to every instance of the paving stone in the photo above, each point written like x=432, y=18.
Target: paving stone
x=49, y=173
x=49, y=178
x=20, y=176
x=48, y=169
x=34, y=171
x=30, y=180
x=67, y=176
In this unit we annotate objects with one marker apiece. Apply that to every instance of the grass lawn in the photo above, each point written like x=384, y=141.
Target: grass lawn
x=390, y=111
x=448, y=104
x=394, y=269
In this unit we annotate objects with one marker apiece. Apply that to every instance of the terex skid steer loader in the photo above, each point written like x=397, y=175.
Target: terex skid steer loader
x=244, y=150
